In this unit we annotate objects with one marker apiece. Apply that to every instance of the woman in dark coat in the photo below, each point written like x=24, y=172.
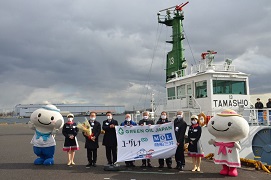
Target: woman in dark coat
x=194, y=147
x=70, y=131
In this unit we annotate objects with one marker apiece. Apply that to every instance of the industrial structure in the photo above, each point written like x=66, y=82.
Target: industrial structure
x=25, y=110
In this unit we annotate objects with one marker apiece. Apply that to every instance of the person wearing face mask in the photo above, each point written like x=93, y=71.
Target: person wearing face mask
x=194, y=148
x=128, y=122
x=92, y=142
x=146, y=122
x=180, y=127
x=110, y=138
x=70, y=143
x=162, y=120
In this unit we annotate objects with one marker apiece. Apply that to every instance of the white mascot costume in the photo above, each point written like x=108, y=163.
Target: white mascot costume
x=46, y=121
x=228, y=127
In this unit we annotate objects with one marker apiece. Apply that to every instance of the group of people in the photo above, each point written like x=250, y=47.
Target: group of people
x=110, y=140
x=259, y=106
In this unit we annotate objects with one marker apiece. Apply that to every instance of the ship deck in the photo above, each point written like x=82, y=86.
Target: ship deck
x=16, y=162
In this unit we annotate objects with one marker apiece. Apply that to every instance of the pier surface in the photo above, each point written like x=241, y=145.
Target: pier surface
x=17, y=156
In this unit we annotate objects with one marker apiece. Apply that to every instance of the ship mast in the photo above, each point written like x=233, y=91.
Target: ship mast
x=176, y=62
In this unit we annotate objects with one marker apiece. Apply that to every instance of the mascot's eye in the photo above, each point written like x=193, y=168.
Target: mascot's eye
x=39, y=115
x=52, y=118
x=229, y=124
x=212, y=122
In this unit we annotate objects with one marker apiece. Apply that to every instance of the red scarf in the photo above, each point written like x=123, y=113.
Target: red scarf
x=195, y=125
x=70, y=122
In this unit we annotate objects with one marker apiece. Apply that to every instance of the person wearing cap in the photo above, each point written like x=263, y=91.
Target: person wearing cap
x=70, y=131
x=162, y=120
x=268, y=105
x=128, y=122
x=259, y=106
x=194, y=148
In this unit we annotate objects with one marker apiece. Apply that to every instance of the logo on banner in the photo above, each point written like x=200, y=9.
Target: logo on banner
x=121, y=131
x=143, y=153
x=162, y=139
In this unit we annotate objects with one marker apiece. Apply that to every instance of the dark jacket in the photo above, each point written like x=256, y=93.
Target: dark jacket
x=69, y=129
x=268, y=104
x=161, y=121
x=259, y=105
x=147, y=121
x=194, y=133
x=180, y=127
x=96, y=130
x=110, y=137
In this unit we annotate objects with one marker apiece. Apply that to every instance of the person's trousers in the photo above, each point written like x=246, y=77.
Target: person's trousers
x=92, y=155
x=179, y=155
x=111, y=151
x=168, y=161
x=146, y=160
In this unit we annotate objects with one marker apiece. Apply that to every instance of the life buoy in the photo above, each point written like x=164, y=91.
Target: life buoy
x=265, y=115
x=202, y=119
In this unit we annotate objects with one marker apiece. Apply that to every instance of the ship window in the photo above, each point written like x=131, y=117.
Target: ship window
x=201, y=89
x=171, y=93
x=229, y=87
x=180, y=91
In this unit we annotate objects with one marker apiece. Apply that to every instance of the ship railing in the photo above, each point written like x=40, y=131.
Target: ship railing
x=202, y=67
x=257, y=117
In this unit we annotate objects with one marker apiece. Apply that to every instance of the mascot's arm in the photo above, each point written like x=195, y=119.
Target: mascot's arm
x=237, y=145
x=54, y=131
x=31, y=125
x=211, y=142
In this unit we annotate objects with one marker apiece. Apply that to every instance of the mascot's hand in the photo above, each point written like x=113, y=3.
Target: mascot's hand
x=31, y=125
x=55, y=131
x=237, y=145
x=211, y=142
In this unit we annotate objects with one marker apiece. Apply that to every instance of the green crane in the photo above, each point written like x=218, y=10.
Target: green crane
x=176, y=63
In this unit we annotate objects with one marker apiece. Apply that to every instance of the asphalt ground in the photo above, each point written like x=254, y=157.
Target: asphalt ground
x=17, y=157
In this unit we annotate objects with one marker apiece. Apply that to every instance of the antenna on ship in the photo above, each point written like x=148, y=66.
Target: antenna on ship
x=176, y=62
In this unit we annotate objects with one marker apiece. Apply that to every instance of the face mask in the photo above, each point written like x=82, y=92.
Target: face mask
x=179, y=116
x=194, y=122
x=145, y=117
x=128, y=119
x=163, y=117
x=92, y=118
x=70, y=119
x=109, y=117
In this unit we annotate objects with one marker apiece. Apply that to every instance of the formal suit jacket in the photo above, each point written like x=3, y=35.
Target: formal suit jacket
x=110, y=137
x=96, y=130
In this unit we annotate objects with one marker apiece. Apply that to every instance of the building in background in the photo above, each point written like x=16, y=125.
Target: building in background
x=25, y=110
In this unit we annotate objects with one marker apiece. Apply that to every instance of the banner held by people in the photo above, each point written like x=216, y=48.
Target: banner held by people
x=145, y=142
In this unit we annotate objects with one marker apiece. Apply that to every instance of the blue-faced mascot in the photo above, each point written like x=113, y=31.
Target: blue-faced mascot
x=229, y=128
x=46, y=122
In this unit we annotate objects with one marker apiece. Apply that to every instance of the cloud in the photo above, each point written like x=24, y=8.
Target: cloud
x=113, y=52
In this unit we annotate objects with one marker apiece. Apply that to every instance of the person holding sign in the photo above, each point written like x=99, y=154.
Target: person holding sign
x=110, y=138
x=92, y=142
x=180, y=127
x=146, y=122
x=128, y=122
x=162, y=120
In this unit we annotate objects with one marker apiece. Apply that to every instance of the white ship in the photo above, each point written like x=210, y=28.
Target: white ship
x=208, y=88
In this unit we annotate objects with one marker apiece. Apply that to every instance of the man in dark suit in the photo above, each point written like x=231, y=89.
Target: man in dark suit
x=146, y=121
x=92, y=142
x=110, y=138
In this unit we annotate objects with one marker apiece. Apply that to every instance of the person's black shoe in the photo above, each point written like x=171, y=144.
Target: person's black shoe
x=149, y=165
x=169, y=167
x=143, y=165
x=94, y=165
x=127, y=165
x=161, y=166
x=88, y=165
x=132, y=165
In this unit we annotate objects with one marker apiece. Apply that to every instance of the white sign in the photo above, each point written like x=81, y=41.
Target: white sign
x=146, y=142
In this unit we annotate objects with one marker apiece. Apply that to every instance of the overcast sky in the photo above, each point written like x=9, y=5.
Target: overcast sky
x=112, y=52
